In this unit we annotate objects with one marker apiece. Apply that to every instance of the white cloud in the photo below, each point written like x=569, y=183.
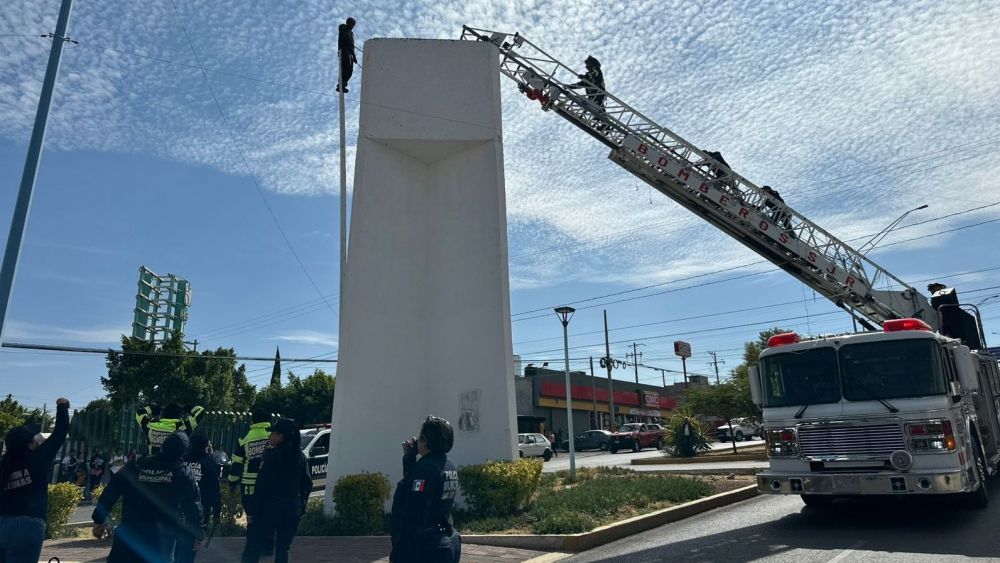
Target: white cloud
x=18, y=331
x=308, y=337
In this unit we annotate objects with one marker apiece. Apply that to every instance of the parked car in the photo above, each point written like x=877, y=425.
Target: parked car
x=636, y=436
x=316, y=447
x=534, y=445
x=742, y=428
x=589, y=440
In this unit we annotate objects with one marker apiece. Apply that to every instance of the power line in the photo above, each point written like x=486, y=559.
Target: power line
x=105, y=351
x=246, y=162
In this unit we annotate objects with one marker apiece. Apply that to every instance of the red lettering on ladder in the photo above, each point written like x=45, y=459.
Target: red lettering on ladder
x=783, y=238
x=684, y=173
x=849, y=282
x=662, y=161
x=723, y=199
x=642, y=149
x=744, y=212
x=763, y=226
x=832, y=270
x=811, y=257
x=703, y=188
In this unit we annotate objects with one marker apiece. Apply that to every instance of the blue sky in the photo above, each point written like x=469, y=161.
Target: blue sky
x=855, y=111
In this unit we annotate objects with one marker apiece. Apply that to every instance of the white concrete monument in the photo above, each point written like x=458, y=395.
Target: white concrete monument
x=425, y=325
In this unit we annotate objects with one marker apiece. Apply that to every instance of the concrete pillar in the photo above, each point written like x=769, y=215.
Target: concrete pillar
x=425, y=323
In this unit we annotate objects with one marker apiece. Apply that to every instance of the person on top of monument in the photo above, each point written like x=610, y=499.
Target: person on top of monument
x=345, y=46
x=422, y=528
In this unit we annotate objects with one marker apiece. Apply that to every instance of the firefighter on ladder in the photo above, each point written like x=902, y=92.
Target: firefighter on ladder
x=593, y=84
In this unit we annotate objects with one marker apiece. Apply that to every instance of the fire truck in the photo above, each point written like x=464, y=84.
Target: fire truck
x=907, y=407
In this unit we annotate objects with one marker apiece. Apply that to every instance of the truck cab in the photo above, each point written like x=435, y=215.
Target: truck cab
x=904, y=411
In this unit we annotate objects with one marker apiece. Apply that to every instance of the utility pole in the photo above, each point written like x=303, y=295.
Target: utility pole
x=715, y=362
x=593, y=385
x=611, y=385
x=636, y=356
x=19, y=222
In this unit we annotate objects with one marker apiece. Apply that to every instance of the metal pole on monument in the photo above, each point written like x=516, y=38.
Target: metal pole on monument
x=23, y=204
x=565, y=313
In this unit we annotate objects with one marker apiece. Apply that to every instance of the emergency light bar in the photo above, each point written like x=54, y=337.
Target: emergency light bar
x=782, y=339
x=899, y=325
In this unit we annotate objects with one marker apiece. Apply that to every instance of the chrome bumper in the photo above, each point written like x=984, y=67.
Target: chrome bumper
x=955, y=481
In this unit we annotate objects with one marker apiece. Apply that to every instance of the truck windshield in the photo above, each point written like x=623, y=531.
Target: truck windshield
x=808, y=377
x=890, y=369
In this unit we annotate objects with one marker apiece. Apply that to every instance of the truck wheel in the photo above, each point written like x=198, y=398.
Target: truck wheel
x=636, y=446
x=817, y=500
x=659, y=443
x=739, y=435
x=604, y=446
x=980, y=497
x=547, y=455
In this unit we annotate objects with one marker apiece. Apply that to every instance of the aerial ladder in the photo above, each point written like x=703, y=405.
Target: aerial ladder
x=706, y=186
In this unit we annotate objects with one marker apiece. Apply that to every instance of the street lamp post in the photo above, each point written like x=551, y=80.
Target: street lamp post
x=565, y=313
x=882, y=234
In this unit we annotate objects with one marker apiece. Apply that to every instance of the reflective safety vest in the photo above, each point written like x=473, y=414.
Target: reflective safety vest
x=157, y=429
x=246, y=460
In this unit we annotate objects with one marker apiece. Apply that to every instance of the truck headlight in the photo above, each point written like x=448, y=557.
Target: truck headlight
x=782, y=442
x=931, y=436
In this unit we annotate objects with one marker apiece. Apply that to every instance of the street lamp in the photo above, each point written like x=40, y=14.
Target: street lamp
x=882, y=234
x=565, y=313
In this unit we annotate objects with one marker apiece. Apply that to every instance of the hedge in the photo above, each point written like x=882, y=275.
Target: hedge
x=64, y=498
x=361, y=499
x=500, y=488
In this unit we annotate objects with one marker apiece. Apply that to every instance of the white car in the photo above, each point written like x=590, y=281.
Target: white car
x=742, y=429
x=534, y=445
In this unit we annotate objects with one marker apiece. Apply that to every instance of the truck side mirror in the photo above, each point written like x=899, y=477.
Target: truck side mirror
x=966, y=369
x=755, y=385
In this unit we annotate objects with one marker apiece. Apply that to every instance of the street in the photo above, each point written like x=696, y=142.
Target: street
x=593, y=458
x=771, y=528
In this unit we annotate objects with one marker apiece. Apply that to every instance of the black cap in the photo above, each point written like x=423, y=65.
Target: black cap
x=284, y=426
x=19, y=438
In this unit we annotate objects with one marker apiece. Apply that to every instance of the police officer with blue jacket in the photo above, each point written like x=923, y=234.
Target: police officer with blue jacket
x=422, y=528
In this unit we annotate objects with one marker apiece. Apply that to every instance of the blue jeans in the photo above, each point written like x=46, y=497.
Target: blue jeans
x=21, y=539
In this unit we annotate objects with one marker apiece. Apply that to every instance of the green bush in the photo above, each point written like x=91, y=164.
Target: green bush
x=500, y=488
x=680, y=443
x=63, y=500
x=606, y=497
x=565, y=523
x=116, y=510
x=363, y=497
x=315, y=522
x=231, y=511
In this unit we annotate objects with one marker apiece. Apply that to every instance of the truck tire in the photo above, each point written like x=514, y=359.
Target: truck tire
x=636, y=446
x=817, y=500
x=980, y=497
x=739, y=435
x=659, y=443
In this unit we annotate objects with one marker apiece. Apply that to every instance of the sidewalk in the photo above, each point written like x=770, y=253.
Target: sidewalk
x=339, y=549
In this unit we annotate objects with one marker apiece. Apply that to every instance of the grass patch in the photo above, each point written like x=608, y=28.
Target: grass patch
x=598, y=496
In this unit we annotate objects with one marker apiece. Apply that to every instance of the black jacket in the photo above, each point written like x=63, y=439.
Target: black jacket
x=345, y=42
x=206, y=471
x=422, y=503
x=25, y=491
x=161, y=503
x=284, y=480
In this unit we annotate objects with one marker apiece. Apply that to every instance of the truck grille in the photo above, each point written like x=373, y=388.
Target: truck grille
x=878, y=440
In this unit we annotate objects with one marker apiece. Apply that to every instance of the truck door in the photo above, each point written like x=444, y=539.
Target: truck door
x=318, y=454
x=989, y=383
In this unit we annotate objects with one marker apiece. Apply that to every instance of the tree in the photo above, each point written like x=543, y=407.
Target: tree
x=148, y=374
x=43, y=417
x=11, y=414
x=308, y=400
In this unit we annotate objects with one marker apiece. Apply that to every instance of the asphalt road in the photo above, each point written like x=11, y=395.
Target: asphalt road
x=592, y=458
x=782, y=529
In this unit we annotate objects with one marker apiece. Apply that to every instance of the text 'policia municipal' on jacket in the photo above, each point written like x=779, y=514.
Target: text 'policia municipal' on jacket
x=206, y=472
x=246, y=460
x=422, y=504
x=161, y=500
x=157, y=429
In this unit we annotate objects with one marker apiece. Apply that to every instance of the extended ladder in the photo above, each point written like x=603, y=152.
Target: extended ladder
x=710, y=189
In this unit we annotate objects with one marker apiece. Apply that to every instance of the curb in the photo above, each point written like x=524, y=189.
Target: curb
x=612, y=532
x=691, y=460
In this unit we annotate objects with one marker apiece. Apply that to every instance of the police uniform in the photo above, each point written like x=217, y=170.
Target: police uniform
x=422, y=529
x=157, y=429
x=246, y=465
x=161, y=505
x=206, y=472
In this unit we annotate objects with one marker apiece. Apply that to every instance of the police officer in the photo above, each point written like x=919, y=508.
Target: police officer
x=422, y=529
x=206, y=470
x=283, y=488
x=161, y=505
x=246, y=464
x=172, y=418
